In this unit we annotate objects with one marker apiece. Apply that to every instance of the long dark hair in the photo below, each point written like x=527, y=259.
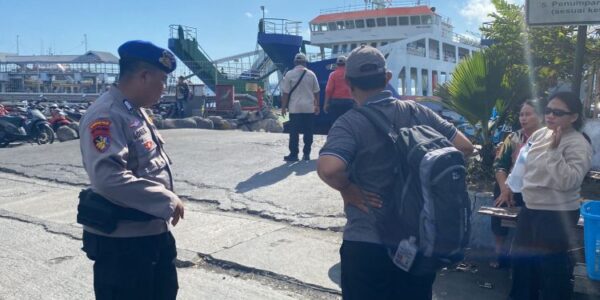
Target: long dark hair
x=573, y=103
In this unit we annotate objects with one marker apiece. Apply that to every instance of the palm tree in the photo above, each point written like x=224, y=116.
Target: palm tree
x=479, y=84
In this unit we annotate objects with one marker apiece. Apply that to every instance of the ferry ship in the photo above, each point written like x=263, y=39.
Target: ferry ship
x=420, y=45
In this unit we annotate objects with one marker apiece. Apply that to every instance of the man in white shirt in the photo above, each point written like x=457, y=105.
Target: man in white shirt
x=300, y=90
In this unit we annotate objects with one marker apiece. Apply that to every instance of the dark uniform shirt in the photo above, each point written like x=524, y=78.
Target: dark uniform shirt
x=369, y=154
x=123, y=155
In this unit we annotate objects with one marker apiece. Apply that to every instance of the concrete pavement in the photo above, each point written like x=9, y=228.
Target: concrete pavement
x=249, y=215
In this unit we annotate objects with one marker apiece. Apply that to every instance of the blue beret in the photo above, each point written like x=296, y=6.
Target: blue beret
x=150, y=53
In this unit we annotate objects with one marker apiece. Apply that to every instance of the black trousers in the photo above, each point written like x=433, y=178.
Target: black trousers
x=301, y=123
x=369, y=273
x=541, y=262
x=133, y=268
x=338, y=107
x=180, y=108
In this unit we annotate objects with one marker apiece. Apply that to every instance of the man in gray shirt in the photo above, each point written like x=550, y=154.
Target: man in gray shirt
x=358, y=161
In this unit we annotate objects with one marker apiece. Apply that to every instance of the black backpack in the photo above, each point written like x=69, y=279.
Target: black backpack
x=425, y=224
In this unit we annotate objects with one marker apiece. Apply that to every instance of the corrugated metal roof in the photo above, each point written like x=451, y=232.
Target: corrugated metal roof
x=374, y=13
x=97, y=57
x=89, y=57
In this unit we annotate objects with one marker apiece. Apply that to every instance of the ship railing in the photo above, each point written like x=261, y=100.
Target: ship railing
x=187, y=33
x=373, y=5
x=416, y=51
x=244, y=70
x=459, y=38
x=280, y=26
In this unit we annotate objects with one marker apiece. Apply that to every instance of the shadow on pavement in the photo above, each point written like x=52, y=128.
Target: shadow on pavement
x=275, y=175
x=335, y=274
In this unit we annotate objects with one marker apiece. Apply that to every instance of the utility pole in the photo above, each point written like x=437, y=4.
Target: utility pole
x=579, y=53
x=17, y=44
x=85, y=41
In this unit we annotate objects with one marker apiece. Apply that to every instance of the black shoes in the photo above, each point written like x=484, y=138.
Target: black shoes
x=291, y=158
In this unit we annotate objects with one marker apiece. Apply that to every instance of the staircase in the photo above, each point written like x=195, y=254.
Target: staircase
x=184, y=44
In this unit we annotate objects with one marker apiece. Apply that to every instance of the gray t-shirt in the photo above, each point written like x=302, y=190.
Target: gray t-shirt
x=369, y=154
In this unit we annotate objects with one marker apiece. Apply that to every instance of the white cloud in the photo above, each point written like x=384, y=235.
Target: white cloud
x=248, y=14
x=478, y=10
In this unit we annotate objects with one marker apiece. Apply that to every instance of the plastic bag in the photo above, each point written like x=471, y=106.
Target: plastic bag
x=515, y=178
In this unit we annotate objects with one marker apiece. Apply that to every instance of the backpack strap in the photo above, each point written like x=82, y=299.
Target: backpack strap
x=295, y=86
x=380, y=121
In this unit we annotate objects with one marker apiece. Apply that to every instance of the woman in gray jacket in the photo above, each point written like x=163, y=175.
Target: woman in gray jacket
x=559, y=158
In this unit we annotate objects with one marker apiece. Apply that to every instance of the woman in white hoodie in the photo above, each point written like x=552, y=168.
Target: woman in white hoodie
x=559, y=158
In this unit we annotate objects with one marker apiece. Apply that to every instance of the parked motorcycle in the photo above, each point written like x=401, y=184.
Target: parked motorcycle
x=33, y=128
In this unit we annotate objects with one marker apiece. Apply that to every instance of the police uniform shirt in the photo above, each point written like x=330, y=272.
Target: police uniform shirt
x=123, y=156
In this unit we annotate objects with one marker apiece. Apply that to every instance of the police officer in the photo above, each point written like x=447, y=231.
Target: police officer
x=123, y=155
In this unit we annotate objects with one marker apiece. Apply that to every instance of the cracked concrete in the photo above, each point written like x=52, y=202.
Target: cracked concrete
x=37, y=265
x=207, y=232
x=249, y=230
x=238, y=171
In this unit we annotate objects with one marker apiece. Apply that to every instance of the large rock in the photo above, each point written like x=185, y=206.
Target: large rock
x=218, y=122
x=179, y=123
x=233, y=123
x=203, y=123
x=243, y=116
x=268, y=114
x=271, y=125
x=66, y=133
x=254, y=116
x=254, y=126
x=74, y=126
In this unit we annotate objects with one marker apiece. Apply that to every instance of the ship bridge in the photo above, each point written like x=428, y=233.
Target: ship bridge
x=343, y=29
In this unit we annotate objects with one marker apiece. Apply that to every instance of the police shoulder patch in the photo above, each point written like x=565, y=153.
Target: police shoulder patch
x=100, y=130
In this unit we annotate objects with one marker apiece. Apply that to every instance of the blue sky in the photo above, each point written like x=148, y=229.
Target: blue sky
x=225, y=27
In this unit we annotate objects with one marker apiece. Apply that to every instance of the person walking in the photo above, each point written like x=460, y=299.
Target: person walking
x=338, y=99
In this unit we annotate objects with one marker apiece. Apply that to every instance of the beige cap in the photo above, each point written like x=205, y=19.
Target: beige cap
x=300, y=57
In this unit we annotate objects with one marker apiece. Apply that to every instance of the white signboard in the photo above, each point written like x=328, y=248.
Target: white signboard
x=562, y=12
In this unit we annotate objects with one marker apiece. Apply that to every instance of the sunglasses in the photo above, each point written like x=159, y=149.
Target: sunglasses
x=557, y=112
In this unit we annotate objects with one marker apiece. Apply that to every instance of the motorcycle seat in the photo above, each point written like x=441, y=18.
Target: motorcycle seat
x=15, y=120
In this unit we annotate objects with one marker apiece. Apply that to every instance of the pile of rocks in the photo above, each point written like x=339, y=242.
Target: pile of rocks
x=264, y=120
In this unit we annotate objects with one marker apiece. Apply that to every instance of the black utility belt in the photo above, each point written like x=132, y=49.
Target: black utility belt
x=99, y=213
